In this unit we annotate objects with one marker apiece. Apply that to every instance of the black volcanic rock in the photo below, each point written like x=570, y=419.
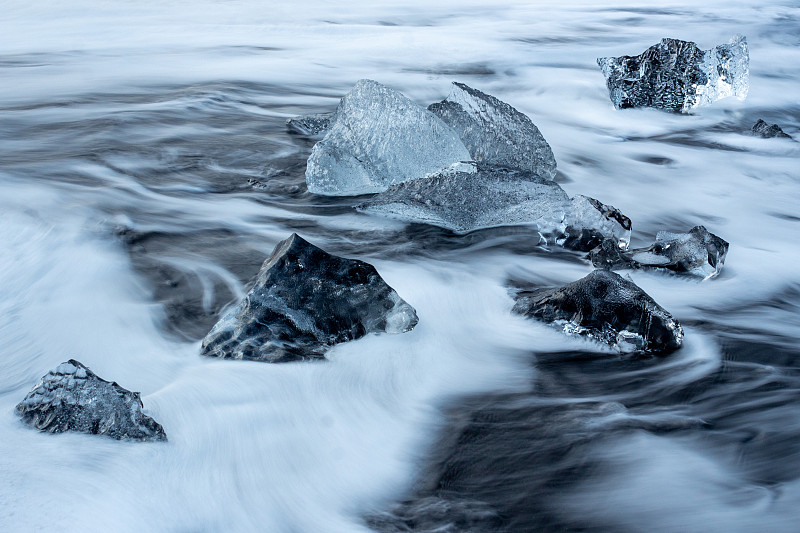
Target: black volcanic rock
x=495, y=133
x=698, y=253
x=608, y=308
x=73, y=398
x=303, y=301
x=677, y=75
x=768, y=131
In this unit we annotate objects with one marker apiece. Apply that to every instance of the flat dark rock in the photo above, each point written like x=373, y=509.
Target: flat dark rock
x=696, y=253
x=768, y=131
x=677, y=75
x=608, y=308
x=73, y=398
x=305, y=300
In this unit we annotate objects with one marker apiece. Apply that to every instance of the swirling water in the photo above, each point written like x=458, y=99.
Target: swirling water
x=145, y=173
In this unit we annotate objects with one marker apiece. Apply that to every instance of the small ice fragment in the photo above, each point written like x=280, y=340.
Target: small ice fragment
x=696, y=253
x=494, y=132
x=377, y=138
x=678, y=76
x=311, y=125
x=768, y=131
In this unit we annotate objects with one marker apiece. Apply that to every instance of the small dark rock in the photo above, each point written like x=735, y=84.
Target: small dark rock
x=768, y=131
x=608, y=308
x=73, y=398
x=303, y=301
x=698, y=253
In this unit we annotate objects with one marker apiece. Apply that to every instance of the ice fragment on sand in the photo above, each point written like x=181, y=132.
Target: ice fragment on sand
x=697, y=253
x=494, y=132
x=768, y=131
x=310, y=125
x=678, y=75
x=305, y=300
x=608, y=308
x=73, y=398
x=377, y=138
x=490, y=197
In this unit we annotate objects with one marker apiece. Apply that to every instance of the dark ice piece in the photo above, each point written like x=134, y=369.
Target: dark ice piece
x=73, y=398
x=608, y=308
x=677, y=75
x=492, y=197
x=311, y=125
x=305, y=300
x=768, y=131
x=494, y=132
x=697, y=253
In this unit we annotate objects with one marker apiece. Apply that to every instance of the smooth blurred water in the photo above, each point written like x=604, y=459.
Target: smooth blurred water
x=145, y=174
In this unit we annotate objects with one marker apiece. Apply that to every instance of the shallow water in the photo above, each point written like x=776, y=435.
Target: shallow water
x=145, y=174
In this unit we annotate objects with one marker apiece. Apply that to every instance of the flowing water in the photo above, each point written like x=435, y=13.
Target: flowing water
x=145, y=174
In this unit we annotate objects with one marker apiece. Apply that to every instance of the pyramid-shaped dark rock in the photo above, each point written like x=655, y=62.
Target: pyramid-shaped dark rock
x=606, y=307
x=73, y=398
x=305, y=300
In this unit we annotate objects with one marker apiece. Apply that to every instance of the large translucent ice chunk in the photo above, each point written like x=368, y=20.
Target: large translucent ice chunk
x=377, y=138
x=696, y=253
x=305, y=300
x=73, y=398
x=608, y=308
x=494, y=132
x=490, y=197
x=678, y=75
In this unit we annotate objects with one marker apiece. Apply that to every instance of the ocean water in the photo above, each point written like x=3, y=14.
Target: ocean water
x=146, y=173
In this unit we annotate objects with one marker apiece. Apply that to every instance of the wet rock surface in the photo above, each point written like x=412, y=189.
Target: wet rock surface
x=677, y=75
x=697, y=253
x=768, y=131
x=494, y=132
x=310, y=125
x=305, y=300
x=73, y=398
x=491, y=197
x=378, y=137
x=608, y=308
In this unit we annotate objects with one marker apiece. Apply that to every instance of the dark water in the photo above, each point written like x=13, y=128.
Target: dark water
x=146, y=173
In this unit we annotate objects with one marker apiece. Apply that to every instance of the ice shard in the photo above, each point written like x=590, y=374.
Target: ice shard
x=305, y=300
x=491, y=197
x=494, y=132
x=697, y=253
x=677, y=75
x=768, y=131
x=310, y=125
x=607, y=308
x=73, y=398
x=377, y=138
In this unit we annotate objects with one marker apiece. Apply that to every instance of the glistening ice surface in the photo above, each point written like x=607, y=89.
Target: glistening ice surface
x=129, y=136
